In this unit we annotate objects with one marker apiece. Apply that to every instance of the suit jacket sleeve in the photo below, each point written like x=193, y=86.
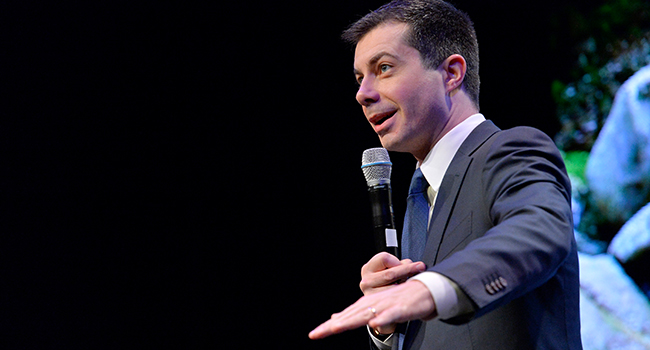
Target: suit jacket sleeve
x=517, y=196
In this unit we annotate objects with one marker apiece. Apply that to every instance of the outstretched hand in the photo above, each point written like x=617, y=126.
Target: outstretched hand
x=384, y=303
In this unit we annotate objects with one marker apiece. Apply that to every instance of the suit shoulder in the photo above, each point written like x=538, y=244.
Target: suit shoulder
x=524, y=137
x=525, y=133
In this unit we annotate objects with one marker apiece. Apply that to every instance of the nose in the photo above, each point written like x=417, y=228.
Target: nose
x=367, y=95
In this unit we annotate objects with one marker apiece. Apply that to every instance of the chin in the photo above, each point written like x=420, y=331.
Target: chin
x=394, y=143
x=391, y=143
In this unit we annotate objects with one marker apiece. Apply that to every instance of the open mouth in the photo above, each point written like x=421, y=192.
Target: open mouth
x=384, y=118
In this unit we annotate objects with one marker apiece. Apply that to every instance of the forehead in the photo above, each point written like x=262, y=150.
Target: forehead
x=387, y=37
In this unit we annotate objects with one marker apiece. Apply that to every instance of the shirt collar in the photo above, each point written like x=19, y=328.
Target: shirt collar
x=437, y=161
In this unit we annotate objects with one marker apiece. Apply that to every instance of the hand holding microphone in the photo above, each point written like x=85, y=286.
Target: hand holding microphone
x=383, y=271
x=386, y=301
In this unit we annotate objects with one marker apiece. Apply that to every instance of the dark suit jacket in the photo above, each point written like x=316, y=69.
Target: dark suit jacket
x=502, y=230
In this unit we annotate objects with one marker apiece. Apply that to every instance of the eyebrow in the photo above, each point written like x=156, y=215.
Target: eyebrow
x=376, y=58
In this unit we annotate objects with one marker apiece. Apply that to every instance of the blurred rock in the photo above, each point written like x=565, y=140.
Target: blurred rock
x=634, y=237
x=614, y=313
x=618, y=169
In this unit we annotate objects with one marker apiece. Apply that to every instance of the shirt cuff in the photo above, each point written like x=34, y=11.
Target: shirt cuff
x=443, y=293
x=386, y=344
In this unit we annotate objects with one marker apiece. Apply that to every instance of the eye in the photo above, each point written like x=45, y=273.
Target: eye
x=384, y=67
x=359, y=79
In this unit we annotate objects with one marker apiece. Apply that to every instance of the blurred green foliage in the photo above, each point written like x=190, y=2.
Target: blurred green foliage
x=614, y=43
x=575, y=162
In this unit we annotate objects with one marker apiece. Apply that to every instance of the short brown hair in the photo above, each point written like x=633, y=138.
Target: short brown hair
x=436, y=29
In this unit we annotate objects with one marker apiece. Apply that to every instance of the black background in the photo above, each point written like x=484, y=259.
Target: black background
x=182, y=175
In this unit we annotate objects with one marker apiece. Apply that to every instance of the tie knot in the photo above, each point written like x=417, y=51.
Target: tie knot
x=418, y=183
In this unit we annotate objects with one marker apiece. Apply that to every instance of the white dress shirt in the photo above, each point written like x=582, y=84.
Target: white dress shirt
x=450, y=301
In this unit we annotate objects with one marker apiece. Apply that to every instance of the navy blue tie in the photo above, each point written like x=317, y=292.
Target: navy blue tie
x=414, y=236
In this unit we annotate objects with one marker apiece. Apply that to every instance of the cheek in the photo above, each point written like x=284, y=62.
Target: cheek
x=424, y=117
x=417, y=107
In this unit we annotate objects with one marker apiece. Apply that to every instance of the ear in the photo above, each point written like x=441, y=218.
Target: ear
x=454, y=68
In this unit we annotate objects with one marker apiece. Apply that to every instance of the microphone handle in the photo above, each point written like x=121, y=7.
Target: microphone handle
x=385, y=234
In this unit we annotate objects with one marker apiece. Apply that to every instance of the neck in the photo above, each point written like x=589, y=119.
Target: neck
x=459, y=107
x=458, y=113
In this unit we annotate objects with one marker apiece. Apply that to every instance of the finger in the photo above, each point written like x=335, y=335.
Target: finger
x=383, y=320
x=379, y=262
x=409, y=301
x=417, y=267
x=359, y=312
x=381, y=280
x=321, y=331
x=352, y=317
x=399, y=273
x=389, y=315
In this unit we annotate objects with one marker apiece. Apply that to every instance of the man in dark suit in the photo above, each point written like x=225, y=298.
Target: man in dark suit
x=489, y=222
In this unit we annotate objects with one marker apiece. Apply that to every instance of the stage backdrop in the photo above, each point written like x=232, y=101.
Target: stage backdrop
x=183, y=175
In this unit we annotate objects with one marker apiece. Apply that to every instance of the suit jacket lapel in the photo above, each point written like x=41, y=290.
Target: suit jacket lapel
x=450, y=187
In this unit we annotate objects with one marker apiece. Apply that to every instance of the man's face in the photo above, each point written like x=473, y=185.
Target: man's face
x=402, y=99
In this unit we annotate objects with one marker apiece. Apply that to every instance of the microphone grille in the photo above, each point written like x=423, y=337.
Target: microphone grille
x=376, y=166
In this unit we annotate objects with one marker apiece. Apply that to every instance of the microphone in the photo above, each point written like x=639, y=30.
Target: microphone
x=376, y=167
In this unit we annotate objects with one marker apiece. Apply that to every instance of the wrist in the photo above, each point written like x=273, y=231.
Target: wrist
x=426, y=300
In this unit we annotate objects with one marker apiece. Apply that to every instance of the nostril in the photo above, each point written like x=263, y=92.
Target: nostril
x=365, y=99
